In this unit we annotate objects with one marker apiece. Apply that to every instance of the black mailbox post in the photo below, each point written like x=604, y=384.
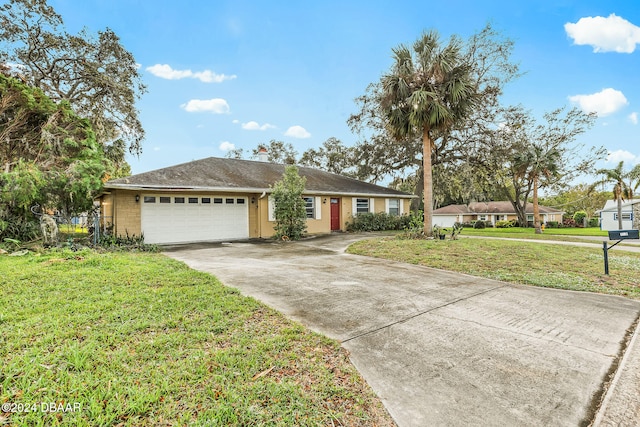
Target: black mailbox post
x=618, y=235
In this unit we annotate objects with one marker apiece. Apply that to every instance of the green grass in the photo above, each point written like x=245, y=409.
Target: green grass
x=529, y=233
x=142, y=340
x=538, y=264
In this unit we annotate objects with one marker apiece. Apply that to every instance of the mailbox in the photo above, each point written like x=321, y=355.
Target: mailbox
x=624, y=234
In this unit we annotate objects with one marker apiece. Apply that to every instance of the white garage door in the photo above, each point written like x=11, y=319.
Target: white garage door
x=193, y=218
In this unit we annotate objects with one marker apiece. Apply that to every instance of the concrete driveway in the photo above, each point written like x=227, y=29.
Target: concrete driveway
x=439, y=348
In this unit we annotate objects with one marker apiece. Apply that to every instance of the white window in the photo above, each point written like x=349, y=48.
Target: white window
x=309, y=207
x=626, y=216
x=362, y=206
x=393, y=207
x=313, y=207
x=482, y=217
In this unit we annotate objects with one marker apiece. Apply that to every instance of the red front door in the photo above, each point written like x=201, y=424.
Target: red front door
x=335, y=214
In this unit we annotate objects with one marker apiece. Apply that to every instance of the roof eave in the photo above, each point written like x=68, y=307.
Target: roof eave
x=171, y=188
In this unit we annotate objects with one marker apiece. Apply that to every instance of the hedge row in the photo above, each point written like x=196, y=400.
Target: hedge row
x=378, y=222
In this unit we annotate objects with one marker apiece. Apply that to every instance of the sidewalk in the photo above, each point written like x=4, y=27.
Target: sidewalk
x=627, y=245
x=621, y=404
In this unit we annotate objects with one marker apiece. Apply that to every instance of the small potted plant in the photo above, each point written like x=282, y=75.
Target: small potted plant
x=439, y=232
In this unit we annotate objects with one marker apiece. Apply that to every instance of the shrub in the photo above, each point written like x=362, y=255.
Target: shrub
x=569, y=222
x=479, y=225
x=579, y=217
x=380, y=221
x=552, y=224
x=594, y=222
x=13, y=226
x=111, y=242
x=506, y=224
x=289, y=210
x=414, y=228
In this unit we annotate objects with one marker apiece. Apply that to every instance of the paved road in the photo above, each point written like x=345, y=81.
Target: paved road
x=440, y=348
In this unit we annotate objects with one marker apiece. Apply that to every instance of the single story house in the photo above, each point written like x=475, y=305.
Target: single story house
x=630, y=215
x=492, y=212
x=219, y=199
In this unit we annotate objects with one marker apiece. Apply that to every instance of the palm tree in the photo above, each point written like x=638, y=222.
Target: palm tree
x=624, y=184
x=536, y=163
x=427, y=90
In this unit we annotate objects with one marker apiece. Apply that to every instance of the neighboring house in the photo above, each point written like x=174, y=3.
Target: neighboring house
x=630, y=215
x=492, y=212
x=216, y=199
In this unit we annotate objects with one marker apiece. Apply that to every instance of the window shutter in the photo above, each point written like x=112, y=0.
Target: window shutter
x=401, y=202
x=386, y=206
x=354, y=206
x=372, y=205
x=272, y=208
x=318, y=207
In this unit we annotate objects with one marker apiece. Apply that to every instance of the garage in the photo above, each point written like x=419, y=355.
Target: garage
x=168, y=218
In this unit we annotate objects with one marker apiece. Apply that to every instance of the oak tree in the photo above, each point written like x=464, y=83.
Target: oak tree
x=93, y=73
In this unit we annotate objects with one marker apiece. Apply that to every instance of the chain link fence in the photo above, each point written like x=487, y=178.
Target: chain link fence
x=95, y=226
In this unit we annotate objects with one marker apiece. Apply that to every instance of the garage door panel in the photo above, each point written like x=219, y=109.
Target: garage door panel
x=194, y=222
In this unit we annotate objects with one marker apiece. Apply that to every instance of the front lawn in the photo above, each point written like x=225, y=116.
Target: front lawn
x=529, y=233
x=538, y=264
x=142, y=340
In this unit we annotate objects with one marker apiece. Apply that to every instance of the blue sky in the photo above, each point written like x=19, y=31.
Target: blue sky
x=224, y=74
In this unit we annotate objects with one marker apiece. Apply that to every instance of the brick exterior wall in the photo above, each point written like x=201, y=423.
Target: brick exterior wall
x=126, y=213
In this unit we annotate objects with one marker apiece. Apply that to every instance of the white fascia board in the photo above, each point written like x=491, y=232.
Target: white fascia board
x=363, y=195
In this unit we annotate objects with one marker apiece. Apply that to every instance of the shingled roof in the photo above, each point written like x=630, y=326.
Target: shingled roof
x=221, y=174
x=500, y=208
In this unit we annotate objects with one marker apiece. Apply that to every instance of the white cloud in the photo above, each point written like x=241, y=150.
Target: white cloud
x=235, y=121
x=611, y=34
x=215, y=105
x=603, y=103
x=622, y=156
x=165, y=71
x=256, y=126
x=156, y=148
x=297, y=132
x=227, y=146
x=208, y=76
x=633, y=118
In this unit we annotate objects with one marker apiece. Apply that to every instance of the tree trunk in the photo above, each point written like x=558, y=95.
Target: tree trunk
x=619, y=212
x=419, y=191
x=536, y=208
x=521, y=212
x=428, y=182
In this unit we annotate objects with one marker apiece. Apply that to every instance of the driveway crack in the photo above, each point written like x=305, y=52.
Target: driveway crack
x=420, y=313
